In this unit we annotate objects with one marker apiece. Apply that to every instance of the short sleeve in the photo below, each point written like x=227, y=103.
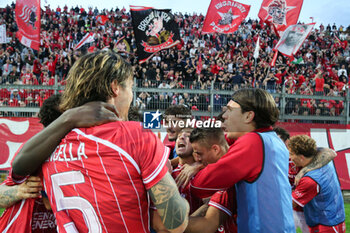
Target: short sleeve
x=153, y=157
x=305, y=191
x=220, y=201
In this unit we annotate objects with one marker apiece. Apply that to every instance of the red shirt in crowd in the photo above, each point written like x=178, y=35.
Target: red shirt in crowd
x=319, y=84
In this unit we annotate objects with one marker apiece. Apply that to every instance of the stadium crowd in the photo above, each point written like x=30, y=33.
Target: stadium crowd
x=199, y=60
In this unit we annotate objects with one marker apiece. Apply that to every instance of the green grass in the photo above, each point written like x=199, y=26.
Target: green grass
x=347, y=216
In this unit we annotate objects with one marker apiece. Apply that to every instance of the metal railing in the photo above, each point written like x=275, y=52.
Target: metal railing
x=204, y=101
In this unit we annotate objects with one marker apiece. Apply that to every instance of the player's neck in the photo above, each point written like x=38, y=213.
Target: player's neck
x=189, y=160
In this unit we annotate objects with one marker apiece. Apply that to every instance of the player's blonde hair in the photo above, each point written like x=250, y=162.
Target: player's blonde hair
x=91, y=76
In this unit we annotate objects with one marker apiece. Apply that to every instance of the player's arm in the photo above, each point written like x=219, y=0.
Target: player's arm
x=9, y=195
x=36, y=150
x=209, y=223
x=323, y=157
x=156, y=222
x=172, y=208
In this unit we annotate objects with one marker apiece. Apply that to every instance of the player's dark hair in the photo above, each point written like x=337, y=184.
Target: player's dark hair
x=134, y=114
x=208, y=136
x=178, y=111
x=261, y=103
x=284, y=134
x=49, y=111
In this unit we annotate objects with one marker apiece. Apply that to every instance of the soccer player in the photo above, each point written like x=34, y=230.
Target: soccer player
x=322, y=158
x=173, y=115
x=257, y=163
x=318, y=192
x=98, y=179
x=184, y=150
x=209, y=145
x=25, y=210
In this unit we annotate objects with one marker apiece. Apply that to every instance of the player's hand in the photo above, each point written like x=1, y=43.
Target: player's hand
x=187, y=173
x=297, y=178
x=30, y=188
x=92, y=114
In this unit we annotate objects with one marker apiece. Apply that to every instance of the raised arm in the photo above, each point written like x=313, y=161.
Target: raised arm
x=324, y=156
x=39, y=148
x=171, y=207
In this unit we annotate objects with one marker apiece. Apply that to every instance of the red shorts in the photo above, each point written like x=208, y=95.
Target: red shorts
x=340, y=228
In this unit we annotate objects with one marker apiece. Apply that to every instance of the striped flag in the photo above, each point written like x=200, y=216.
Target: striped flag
x=88, y=38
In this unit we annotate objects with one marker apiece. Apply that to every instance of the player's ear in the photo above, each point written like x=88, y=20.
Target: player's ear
x=115, y=87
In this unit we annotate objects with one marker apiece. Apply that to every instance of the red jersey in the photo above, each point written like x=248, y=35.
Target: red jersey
x=185, y=192
x=97, y=178
x=238, y=158
x=225, y=201
x=292, y=172
x=305, y=191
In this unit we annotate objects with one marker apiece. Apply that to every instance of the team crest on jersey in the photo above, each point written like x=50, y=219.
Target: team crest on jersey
x=28, y=15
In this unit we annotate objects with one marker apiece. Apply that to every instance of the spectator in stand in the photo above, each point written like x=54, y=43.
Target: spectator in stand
x=318, y=191
x=319, y=83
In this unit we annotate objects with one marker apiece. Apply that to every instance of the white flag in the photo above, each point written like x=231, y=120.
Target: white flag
x=3, y=38
x=88, y=38
x=257, y=48
x=293, y=37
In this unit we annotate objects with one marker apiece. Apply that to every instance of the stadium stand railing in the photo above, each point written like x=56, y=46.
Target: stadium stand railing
x=204, y=101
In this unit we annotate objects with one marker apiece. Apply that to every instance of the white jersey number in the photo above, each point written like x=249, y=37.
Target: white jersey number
x=78, y=203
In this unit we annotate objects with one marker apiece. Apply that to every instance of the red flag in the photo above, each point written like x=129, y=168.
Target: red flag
x=273, y=61
x=224, y=16
x=28, y=22
x=88, y=38
x=199, y=65
x=343, y=44
x=102, y=19
x=280, y=13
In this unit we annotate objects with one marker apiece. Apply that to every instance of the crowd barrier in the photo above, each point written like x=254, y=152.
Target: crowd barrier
x=14, y=131
x=204, y=102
